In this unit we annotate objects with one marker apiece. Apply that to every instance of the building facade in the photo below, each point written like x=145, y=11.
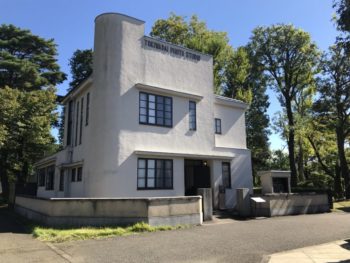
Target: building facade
x=147, y=123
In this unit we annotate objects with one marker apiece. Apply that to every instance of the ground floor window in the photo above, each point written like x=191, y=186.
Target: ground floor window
x=77, y=174
x=226, y=174
x=50, y=178
x=154, y=174
x=41, y=176
x=61, y=186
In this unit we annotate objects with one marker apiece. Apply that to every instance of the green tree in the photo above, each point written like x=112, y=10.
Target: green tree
x=245, y=81
x=195, y=35
x=334, y=101
x=28, y=72
x=342, y=8
x=289, y=59
x=80, y=66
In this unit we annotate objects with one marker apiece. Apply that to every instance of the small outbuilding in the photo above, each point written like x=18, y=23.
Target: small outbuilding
x=275, y=181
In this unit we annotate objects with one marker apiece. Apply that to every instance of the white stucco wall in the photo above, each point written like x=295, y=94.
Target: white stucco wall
x=121, y=62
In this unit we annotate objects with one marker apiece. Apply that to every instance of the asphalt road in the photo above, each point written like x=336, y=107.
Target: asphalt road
x=227, y=241
x=230, y=241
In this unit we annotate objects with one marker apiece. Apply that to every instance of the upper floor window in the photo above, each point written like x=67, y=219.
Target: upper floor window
x=226, y=174
x=70, y=123
x=76, y=123
x=155, y=110
x=87, y=109
x=192, y=116
x=154, y=174
x=81, y=120
x=218, y=126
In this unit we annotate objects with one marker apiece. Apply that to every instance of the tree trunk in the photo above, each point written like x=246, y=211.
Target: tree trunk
x=344, y=169
x=4, y=180
x=338, y=189
x=291, y=142
x=301, y=162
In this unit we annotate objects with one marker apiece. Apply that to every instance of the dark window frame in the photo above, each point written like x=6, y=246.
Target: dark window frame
x=76, y=123
x=50, y=178
x=218, y=127
x=61, y=183
x=70, y=123
x=157, y=110
x=229, y=183
x=73, y=174
x=81, y=120
x=192, y=108
x=41, y=177
x=87, y=109
x=164, y=187
x=79, y=174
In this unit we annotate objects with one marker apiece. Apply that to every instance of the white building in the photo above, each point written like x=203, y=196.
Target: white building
x=147, y=124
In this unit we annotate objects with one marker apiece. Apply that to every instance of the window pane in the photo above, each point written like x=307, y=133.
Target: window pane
x=167, y=101
x=160, y=114
x=160, y=99
x=167, y=108
x=150, y=182
x=142, y=163
x=151, y=163
x=152, y=105
x=160, y=121
x=143, y=96
x=143, y=118
x=160, y=106
x=141, y=183
x=152, y=120
x=168, y=183
x=151, y=98
x=167, y=122
x=151, y=113
x=168, y=164
x=143, y=103
x=141, y=173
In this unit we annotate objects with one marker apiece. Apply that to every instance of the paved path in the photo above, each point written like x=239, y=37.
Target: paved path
x=226, y=241
x=17, y=246
x=337, y=251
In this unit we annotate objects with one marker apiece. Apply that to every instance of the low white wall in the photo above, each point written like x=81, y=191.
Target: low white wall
x=100, y=211
x=291, y=204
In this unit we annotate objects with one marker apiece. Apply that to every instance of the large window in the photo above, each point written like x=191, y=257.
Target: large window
x=155, y=110
x=50, y=178
x=61, y=185
x=192, y=116
x=76, y=123
x=70, y=123
x=154, y=174
x=226, y=174
x=218, y=126
x=79, y=174
x=41, y=176
x=81, y=119
x=87, y=109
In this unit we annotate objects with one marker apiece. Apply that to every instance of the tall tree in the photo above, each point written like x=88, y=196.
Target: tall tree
x=245, y=81
x=195, y=35
x=81, y=68
x=289, y=59
x=28, y=70
x=342, y=8
x=334, y=100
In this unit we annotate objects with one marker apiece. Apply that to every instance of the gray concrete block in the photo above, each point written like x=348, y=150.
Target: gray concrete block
x=207, y=203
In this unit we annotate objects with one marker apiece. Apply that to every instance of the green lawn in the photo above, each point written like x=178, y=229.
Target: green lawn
x=62, y=235
x=341, y=206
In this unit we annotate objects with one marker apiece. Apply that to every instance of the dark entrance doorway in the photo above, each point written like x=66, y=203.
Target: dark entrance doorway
x=197, y=175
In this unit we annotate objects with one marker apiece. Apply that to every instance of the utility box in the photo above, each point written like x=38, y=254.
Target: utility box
x=275, y=181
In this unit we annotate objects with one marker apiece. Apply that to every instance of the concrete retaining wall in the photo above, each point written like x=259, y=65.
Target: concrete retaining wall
x=291, y=204
x=107, y=211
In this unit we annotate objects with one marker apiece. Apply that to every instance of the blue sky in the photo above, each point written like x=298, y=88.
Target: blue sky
x=71, y=22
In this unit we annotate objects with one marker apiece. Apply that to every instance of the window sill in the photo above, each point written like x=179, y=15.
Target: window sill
x=142, y=189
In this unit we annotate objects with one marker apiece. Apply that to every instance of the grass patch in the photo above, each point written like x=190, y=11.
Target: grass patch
x=62, y=235
x=341, y=206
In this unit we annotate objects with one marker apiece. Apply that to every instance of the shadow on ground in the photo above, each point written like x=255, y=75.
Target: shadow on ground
x=10, y=223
